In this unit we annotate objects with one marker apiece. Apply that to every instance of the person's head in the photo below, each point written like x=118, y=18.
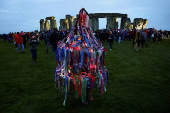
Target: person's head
x=55, y=30
x=32, y=35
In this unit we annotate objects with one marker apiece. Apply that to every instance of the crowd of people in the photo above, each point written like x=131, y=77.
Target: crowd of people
x=51, y=38
x=20, y=39
x=138, y=36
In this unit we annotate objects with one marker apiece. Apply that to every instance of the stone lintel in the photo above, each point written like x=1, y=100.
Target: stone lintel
x=105, y=15
x=50, y=18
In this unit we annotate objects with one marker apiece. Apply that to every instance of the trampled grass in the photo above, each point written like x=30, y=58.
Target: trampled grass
x=138, y=81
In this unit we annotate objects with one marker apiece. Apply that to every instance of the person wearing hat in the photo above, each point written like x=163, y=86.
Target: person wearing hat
x=33, y=42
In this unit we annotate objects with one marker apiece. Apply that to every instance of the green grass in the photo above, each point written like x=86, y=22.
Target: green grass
x=138, y=81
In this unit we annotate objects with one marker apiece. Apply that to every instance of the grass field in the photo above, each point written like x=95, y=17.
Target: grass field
x=138, y=81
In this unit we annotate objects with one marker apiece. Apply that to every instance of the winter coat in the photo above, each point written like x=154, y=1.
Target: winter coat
x=33, y=42
x=138, y=36
x=123, y=35
x=55, y=37
x=144, y=35
x=19, y=39
x=24, y=39
x=14, y=36
x=111, y=38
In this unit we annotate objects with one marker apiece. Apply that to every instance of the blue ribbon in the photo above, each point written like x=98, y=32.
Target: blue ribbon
x=57, y=54
x=81, y=59
x=75, y=67
x=60, y=56
x=76, y=44
x=74, y=38
x=107, y=77
x=80, y=31
x=66, y=80
x=88, y=52
x=86, y=39
x=68, y=56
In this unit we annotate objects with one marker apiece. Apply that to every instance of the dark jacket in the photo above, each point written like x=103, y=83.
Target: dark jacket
x=55, y=37
x=33, y=42
x=111, y=38
x=24, y=39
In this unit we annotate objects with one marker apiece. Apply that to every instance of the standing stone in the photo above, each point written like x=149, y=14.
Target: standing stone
x=52, y=25
x=42, y=25
x=131, y=25
x=64, y=24
x=138, y=23
x=112, y=23
x=47, y=25
x=94, y=23
x=91, y=23
x=70, y=20
x=125, y=23
x=74, y=21
x=145, y=23
x=55, y=24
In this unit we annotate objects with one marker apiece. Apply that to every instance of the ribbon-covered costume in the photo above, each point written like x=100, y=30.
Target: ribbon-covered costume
x=81, y=60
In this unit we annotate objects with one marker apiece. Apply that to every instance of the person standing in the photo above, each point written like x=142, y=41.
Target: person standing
x=55, y=37
x=4, y=36
x=48, y=40
x=137, y=40
x=24, y=40
x=119, y=36
x=10, y=37
x=159, y=36
x=14, y=36
x=144, y=36
x=33, y=42
x=155, y=35
x=19, y=41
x=111, y=37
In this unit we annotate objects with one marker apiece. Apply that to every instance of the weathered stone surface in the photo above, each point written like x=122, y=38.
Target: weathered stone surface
x=50, y=18
x=53, y=23
x=112, y=23
x=74, y=21
x=46, y=26
x=104, y=15
x=145, y=23
x=125, y=23
x=70, y=20
x=138, y=23
x=64, y=24
x=42, y=25
x=94, y=23
x=131, y=25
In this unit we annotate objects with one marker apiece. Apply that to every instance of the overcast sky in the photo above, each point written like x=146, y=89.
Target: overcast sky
x=24, y=15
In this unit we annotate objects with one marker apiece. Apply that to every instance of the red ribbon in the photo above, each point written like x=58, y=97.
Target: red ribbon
x=80, y=87
x=75, y=83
